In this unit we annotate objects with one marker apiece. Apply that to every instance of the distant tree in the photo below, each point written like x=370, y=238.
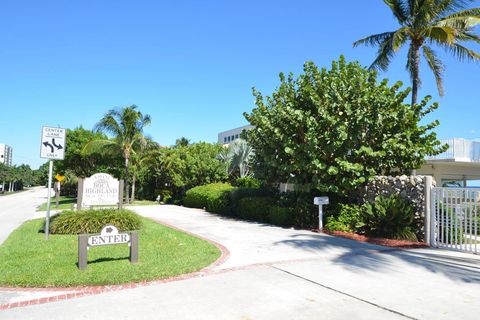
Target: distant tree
x=333, y=130
x=182, y=142
x=445, y=23
x=84, y=164
x=179, y=169
x=126, y=127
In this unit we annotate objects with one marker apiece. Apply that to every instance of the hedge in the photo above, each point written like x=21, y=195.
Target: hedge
x=213, y=197
x=92, y=221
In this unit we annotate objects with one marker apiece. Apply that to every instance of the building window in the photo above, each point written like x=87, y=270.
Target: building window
x=225, y=139
x=236, y=136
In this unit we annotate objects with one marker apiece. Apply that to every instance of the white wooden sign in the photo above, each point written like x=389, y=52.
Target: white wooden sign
x=100, y=189
x=108, y=235
x=52, y=145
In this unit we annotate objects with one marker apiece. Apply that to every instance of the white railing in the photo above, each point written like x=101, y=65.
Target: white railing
x=459, y=150
x=456, y=218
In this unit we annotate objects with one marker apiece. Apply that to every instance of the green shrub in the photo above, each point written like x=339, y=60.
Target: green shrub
x=255, y=208
x=92, y=221
x=389, y=217
x=213, y=197
x=349, y=219
x=239, y=193
x=166, y=195
x=305, y=212
x=247, y=182
x=280, y=216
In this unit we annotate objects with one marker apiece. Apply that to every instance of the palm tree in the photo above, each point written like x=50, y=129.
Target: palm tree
x=238, y=156
x=445, y=23
x=182, y=142
x=126, y=125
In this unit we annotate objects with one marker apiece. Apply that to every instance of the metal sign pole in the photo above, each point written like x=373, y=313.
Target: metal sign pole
x=320, y=218
x=47, y=219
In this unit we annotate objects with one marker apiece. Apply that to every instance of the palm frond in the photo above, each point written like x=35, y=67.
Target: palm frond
x=436, y=65
x=374, y=40
x=102, y=147
x=399, y=10
x=461, y=53
x=441, y=34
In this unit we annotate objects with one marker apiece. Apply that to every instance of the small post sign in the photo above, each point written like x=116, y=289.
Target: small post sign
x=320, y=202
x=108, y=236
x=52, y=147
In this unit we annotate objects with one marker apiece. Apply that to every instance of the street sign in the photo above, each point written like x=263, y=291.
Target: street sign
x=109, y=235
x=59, y=177
x=52, y=145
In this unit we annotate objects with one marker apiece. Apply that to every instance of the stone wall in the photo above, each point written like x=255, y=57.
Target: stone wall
x=411, y=188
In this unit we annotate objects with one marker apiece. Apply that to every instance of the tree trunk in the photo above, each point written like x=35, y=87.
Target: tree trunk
x=127, y=189
x=133, y=188
x=415, y=74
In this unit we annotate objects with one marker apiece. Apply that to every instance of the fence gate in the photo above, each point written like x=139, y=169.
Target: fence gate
x=455, y=222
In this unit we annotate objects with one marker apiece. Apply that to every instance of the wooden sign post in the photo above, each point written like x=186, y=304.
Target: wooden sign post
x=108, y=236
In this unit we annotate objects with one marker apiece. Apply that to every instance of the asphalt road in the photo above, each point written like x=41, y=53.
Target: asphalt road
x=19, y=207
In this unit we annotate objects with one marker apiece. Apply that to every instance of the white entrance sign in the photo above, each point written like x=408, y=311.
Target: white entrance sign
x=108, y=235
x=52, y=145
x=100, y=189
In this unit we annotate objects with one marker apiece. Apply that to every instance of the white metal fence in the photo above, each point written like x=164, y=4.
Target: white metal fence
x=459, y=150
x=455, y=222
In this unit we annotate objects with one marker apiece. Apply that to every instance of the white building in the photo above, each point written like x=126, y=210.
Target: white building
x=459, y=164
x=228, y=136
x=6, y=153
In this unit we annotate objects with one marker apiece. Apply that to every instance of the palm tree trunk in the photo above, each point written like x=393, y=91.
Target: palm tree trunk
x=127, y=189
x=415, y=74
x=133, y=188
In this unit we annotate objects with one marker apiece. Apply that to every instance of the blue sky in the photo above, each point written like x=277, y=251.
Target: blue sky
x=189, y=64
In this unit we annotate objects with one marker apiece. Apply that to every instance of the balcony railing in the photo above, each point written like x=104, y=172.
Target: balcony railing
x=460, y=150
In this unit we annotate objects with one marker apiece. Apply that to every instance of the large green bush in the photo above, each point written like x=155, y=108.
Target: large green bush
x=92, y=221
x=349, y=219
x=213, y=197
x=389, y=217
x=280, y=216
x=334, y=129
x=255, y=208
x=247, y=182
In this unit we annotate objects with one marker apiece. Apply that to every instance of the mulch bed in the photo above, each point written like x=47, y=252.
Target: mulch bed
x=404, y=244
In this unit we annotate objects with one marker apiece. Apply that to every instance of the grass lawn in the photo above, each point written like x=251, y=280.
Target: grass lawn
x=28, y=260
x=65, y=203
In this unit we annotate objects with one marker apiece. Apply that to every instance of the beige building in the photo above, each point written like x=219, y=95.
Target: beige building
x=456, y=166
x=229, y=136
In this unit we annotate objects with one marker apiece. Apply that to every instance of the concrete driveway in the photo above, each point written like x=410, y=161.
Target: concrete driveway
x=276, y=273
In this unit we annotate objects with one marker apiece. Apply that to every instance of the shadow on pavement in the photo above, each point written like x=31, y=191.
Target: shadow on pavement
x=358, y=256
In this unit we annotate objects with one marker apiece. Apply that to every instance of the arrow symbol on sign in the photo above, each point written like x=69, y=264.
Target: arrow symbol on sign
x=59, y=146
x=47, y=144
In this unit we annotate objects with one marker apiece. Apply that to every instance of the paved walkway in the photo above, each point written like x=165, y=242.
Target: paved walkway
x=276, y=273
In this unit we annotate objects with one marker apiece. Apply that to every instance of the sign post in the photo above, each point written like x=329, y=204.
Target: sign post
x=52, y=147
x=108, y=236
x=320, y=201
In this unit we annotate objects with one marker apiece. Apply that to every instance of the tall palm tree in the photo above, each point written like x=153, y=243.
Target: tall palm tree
x=445, y=23
x=126, y=126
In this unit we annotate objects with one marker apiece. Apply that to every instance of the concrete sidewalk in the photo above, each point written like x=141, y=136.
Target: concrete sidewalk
x=277, y=273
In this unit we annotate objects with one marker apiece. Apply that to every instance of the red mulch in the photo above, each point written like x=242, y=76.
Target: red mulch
x=404, y=244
